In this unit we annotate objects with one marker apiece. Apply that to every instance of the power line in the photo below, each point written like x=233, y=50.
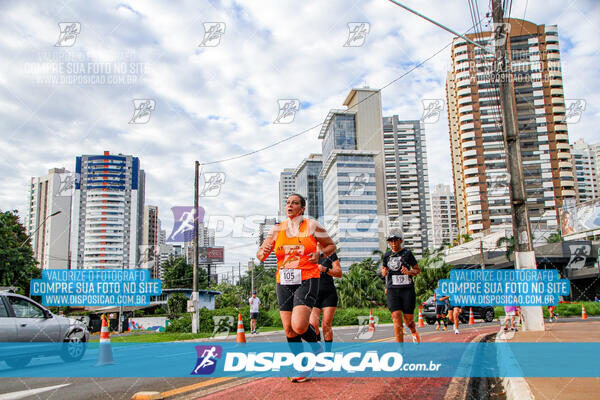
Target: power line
x=319, y=124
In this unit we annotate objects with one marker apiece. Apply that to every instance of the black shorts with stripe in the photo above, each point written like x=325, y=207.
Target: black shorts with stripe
x=305, y=294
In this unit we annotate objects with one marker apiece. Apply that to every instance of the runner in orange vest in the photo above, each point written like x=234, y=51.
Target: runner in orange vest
x=295, y=244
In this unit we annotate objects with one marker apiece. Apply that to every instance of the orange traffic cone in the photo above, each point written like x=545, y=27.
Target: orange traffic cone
x=241, y=336
x=371, y=322
x=583, y=313
x=421, y=324
x=105, y=356
x=471, y=317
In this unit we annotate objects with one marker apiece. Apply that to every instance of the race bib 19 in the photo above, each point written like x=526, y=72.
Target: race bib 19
x=400, y=280
x=290, y=276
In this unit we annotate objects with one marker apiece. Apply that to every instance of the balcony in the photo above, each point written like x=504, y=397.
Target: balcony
x=562, y=136
x=560, y=127
x=463, y=92
x=552, y=47
x=465, y=109
x=465, y=100
x=470, y=153
x=466, y=117
x=558, y=109
x=556, y=100
x=461, y=57
x=460, y=49
x=467, y=126
x=471, y=171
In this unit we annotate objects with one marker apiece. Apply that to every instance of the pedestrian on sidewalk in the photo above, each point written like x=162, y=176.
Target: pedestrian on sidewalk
x=399, y=268
x=254, y=305
x=295, y=243
x=442, y=304
x=327, y=299
x=511, y=312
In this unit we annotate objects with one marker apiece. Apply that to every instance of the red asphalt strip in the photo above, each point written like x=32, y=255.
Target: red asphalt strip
x=352, y=388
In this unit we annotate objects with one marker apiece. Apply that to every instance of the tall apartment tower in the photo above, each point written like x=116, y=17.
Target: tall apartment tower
x=309, y=185
x=287, y=186
x=349, y=174
x=476, y=139
x=443, y=212
x=407, y=181
x=150, y=249
x=586, y=174
x=107, y=212
x=47, y=195
x=263, y=230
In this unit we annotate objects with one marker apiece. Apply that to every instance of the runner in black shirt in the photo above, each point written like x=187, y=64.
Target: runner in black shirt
x=327, y=299
x=399, y=268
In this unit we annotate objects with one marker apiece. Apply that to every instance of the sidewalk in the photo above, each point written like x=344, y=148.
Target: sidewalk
x=557, y=388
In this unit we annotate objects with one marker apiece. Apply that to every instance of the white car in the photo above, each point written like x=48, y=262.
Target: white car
x=33, y=331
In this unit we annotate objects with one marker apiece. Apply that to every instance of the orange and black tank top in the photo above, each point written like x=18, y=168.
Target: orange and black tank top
x=294, y=252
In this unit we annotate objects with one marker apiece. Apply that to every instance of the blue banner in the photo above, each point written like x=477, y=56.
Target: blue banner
x=221, y=359
x=507, y=287
x=96, y=287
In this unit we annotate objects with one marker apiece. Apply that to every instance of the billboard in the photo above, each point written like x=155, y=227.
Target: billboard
x=575, y=218
x=211, y=254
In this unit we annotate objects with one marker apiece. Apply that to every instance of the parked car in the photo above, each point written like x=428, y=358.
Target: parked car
x=36, y=332
x=485, y=313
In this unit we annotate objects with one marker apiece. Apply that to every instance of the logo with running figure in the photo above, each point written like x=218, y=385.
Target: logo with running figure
x=432, y=109
x=222, y=326
x=363, y=332
x=213, y=182
x=574, y=110
x=68, y=34
x=213, y=31
x=183, y=228
x=142, y=110
x=358, y=183
x=287, y=110
x=207, y=359
x=357, y=34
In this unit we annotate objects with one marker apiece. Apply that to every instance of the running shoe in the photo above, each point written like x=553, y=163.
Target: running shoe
x=416, y=338
x=445, y=328
x=299, y=379
x=456, y=331
x=437, y=327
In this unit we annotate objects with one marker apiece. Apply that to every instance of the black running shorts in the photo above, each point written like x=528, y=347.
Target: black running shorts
x=327, y=298
x=305, y=294
x=403, y=299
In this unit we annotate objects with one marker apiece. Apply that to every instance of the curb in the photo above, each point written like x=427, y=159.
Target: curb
x=459, y=386
x=516, y=388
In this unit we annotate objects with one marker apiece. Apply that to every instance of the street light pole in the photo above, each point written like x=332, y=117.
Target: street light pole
x=39, y=226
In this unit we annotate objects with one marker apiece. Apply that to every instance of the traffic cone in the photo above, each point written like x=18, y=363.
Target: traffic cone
x=471, y=317
x=371, y=322
x=241, y=336
x=105, y=356
x=583, y=313
x=421, y=324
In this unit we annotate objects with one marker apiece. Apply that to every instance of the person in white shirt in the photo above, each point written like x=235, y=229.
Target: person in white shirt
x=254, y=304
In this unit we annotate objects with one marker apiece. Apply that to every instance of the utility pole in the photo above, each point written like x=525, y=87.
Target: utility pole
x=482, y=264
x=195, y=293
x=239, y=271
x=524, y=254
x=251, y=268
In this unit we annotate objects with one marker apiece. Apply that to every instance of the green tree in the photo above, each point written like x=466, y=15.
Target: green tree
x=555, y=238
x=231, y=295
x=268, y=296
x=361, y=286
x=180, y=274
x=262, y=276
x=17, y=264
x=177, y=303
x=433, y=268
x=509, y=242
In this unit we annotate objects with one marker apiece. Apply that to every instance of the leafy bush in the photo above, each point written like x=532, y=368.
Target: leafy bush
x=160, y=311
x=564, y=309
x=177, y=303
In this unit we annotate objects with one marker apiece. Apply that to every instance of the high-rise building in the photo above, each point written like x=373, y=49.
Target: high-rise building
x=107, y=212
x=150, y=250
x=596, y=152
x=50, y=234
x=586, y=174
x=476, y=138
x=349, y=174
x=407, y=181
x=443, y=212
x=263, y=230
x=287, y=186
x=309, y=185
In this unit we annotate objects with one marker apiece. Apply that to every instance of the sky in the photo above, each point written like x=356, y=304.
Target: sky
x=72, y=74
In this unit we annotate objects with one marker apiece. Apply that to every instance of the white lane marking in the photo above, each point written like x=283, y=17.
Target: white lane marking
x=26, y=393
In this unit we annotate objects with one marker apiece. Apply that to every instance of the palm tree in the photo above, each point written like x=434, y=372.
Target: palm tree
x=433, y=268
x=509, y=241
x=361, y=286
